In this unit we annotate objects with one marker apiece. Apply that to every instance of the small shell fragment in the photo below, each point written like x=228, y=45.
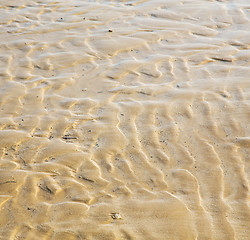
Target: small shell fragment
x=115, y=216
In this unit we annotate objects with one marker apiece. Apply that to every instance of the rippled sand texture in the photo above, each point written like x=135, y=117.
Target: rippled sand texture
x=125, y=119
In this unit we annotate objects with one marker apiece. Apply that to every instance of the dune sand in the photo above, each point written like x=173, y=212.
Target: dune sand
x=124, y=119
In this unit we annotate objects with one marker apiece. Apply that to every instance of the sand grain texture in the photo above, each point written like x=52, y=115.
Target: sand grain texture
x=125, y=119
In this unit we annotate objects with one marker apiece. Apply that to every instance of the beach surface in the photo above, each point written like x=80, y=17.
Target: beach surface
x=125, y=120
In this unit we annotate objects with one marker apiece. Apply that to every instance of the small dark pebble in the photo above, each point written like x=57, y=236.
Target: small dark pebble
x=110, y=30
x=178, y=86
x=122, y=114
x=28, y=208
x=89, y=130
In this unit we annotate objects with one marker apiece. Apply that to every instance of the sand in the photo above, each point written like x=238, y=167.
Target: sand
x=125, y=119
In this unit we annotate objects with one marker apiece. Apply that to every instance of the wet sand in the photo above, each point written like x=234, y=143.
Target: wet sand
x=125, y=119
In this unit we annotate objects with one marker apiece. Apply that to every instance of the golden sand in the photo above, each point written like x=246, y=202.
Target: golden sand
x=125, y=119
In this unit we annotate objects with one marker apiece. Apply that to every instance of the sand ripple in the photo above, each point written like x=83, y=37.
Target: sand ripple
x=124, y=119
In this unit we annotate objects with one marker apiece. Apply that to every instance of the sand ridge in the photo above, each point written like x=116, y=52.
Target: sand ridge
x=124, y=119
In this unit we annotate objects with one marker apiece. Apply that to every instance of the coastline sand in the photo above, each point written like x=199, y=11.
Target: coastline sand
x=124, y=119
